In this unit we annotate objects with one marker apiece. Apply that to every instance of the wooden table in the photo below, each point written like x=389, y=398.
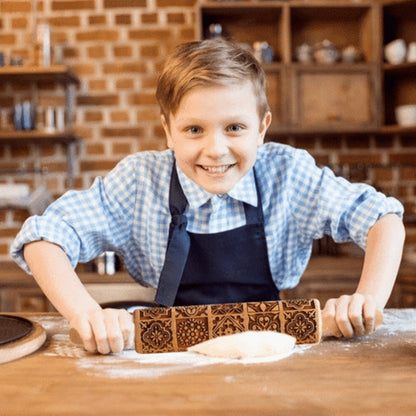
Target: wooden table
x=374, y=375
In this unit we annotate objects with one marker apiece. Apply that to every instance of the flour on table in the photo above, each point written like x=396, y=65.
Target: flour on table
x=130, y=364
x=399, y=320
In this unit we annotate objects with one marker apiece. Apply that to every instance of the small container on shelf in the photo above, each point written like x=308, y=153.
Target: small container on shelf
x=395, y=51
x=43, y=45
x=411, y=52
x=50, y=120
x=24, y=116
x=263, y=52
x=406, y=115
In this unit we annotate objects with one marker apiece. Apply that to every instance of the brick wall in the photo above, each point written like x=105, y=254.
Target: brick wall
x=117, y=47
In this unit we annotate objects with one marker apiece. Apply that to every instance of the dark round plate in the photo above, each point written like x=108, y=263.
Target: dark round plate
x=13, y=328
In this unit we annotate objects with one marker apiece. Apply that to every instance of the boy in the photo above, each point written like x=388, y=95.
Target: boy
x=240, y=216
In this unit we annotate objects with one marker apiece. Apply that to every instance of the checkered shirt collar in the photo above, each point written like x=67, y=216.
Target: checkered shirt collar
x=244, y=190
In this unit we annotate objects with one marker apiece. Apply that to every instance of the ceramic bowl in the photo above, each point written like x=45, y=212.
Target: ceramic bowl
x=411, y=52
x=395, y=51
x=406, y=115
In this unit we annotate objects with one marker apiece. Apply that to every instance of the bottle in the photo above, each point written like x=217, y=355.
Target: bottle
x=214, y=30
x=43, y=45
x=18, y=116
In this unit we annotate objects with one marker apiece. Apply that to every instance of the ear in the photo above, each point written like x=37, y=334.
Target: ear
x=264, y=125
x=165, y=126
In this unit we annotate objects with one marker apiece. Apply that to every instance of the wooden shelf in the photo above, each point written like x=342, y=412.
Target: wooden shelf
x=59, y=74
x=38, y=136
x=396, y=129
x=333, y=67
x=56, y=73
x=404, y=67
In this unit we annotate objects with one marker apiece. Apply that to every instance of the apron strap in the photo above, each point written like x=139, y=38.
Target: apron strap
x=254, y=215
x=178, y=245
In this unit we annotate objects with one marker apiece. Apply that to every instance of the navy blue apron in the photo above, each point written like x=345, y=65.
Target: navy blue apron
x=224, y=267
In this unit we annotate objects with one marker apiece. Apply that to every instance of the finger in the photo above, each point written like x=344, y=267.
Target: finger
x=127, y=329
x=328, y=315
x=83, y=328
x=355, y=313
x=114, y=335
x=342, y=318
x=100, y=332
x=369, y=312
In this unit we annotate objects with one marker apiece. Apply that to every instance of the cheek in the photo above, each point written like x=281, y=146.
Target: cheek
x=186, y=153
x=247, y=152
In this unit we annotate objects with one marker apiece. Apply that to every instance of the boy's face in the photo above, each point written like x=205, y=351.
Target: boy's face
x=215, y=134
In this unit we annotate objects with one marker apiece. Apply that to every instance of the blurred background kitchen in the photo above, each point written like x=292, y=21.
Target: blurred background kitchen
x=77, y=84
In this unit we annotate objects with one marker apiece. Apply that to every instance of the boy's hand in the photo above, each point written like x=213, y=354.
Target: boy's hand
x=105, y=330
x=351, y=315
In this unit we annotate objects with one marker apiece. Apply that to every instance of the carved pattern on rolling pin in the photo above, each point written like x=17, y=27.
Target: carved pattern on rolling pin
x=176, y=329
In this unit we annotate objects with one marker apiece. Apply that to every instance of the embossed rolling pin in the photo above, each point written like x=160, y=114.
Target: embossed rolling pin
x=160, y=329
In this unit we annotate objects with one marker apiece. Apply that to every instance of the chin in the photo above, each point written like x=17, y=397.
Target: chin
x=216, y=189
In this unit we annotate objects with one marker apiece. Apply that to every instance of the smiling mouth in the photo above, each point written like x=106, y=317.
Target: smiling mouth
x=216, y=169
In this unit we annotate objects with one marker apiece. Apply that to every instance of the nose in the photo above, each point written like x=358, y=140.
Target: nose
x=216, y=145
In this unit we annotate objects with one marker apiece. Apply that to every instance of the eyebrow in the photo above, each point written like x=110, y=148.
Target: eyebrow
x=228, y=120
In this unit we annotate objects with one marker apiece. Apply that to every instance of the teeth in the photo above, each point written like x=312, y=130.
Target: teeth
x=216, y=169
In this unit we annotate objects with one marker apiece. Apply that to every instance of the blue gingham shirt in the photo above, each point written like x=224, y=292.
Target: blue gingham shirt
x=128, y=212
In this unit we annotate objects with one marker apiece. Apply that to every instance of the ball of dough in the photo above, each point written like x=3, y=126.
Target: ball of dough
x=248, y=344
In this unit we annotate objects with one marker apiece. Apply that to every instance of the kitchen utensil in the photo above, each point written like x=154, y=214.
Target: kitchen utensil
x=160, y=329
x=19, y=337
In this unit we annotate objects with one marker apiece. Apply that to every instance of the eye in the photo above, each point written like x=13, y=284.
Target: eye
x=235, y=128
x=194, y=130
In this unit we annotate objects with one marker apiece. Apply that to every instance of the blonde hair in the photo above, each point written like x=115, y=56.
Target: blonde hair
x=207, y=63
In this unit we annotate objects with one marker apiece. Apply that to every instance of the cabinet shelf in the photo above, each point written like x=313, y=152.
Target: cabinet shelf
x=396, y=129
x=55, y=73
x=38, y=137
x=333, y=67
x=399, y=81
x=342, y=24
x=250, y=22
x=58, y=74
x=406, y=67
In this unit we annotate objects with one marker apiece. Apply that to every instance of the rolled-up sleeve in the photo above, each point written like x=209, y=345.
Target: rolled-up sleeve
x=85, y=223
x=331, y=205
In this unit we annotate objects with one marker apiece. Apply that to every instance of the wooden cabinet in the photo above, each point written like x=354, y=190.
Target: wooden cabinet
x=324, y=97
x=30, y=78
x=333, y=98
x=399, y=86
